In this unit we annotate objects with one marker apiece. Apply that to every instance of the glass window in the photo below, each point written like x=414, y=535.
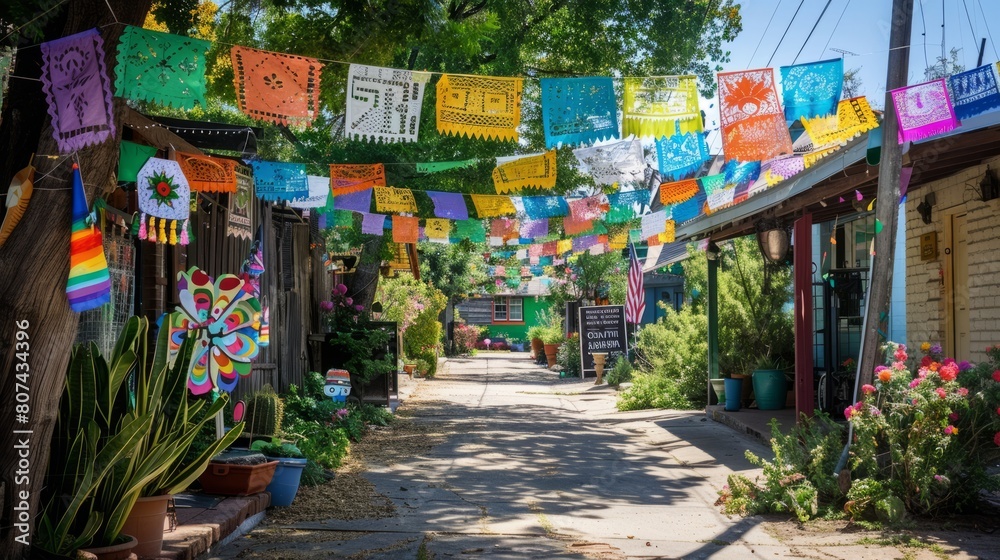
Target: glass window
x=516, y=309
x=500, y=309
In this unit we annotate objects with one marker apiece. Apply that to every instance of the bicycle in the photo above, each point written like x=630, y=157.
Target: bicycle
x=836, y=389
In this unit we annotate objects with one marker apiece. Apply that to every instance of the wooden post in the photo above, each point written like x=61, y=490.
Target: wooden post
x=805, y=398
x=713, y=316
x=887, y=206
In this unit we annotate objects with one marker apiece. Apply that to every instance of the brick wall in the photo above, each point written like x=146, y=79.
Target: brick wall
x=925, y=282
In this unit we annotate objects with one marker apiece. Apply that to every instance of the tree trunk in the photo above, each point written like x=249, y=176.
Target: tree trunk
x=34, y=266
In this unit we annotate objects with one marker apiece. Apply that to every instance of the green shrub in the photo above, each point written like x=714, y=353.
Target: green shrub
x=800, y=475
x=620, y=372
x=651, y=391
x=676, y=348
x=569, y=356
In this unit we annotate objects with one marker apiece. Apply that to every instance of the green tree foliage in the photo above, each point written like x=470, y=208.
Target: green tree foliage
x=457, y=269
x=754, y=319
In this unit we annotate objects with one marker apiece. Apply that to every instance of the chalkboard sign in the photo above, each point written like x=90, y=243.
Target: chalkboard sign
x=602, y=329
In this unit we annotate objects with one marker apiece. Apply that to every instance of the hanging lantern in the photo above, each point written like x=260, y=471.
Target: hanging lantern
x=774, y=239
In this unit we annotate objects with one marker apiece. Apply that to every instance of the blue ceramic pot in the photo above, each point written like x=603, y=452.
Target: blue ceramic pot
x=285, y=483
x=734, y=390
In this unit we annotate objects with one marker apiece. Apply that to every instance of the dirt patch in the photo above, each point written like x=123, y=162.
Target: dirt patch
x=954, y=537
x=349, y=495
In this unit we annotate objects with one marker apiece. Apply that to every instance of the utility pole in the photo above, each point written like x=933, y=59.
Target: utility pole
x=887, y=206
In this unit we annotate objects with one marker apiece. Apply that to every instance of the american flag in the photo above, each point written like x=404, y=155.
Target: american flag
x=635, y=299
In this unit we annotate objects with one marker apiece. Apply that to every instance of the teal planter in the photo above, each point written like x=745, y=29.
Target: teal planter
x=285, y=483
x=734, y=390
x=770, y=388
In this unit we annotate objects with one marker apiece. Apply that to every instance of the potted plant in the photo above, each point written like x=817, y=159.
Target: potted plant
x=111, y=445
x=537, y=346
x=177, y=419
x=769, y=383
x=284, y=484
x=552, y=338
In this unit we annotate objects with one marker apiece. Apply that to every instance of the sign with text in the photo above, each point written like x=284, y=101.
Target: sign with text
x=602, y=329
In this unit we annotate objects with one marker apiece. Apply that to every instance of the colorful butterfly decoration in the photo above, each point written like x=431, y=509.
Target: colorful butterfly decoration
x=225, y=319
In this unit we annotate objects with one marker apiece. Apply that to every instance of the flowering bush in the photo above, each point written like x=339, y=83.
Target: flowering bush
x=466, y=337
x=339, y=311
x=923, y=434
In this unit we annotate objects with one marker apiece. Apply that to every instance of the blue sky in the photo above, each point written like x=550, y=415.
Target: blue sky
x=862, y=27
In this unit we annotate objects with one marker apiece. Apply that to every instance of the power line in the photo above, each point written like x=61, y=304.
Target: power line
x=832, y=33
x=988, y=32
x=768, y=65
x=804, y=43
x=764, y=34
x=923, y=23
x=969, y=18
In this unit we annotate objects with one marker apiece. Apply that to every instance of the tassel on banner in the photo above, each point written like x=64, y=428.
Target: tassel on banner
x=152, y=229
x=142, y=226
x=184, y=233
x=173, y=232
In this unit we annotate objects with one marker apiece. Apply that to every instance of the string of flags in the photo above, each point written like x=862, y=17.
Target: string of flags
x=385, y=104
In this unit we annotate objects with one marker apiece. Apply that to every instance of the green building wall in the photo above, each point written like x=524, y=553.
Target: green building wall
x=519, y=332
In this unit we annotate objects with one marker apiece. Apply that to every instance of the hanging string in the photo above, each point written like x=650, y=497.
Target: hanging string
x=32, y=20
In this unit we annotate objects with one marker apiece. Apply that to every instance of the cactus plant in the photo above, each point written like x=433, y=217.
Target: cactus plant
x=264, y=412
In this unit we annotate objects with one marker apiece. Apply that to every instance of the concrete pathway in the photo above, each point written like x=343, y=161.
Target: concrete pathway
x=537, y=467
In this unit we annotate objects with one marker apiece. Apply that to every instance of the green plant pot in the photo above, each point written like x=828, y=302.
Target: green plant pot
x=770, y=388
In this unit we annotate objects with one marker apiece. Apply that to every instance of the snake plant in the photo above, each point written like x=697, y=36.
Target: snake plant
x=113, y=444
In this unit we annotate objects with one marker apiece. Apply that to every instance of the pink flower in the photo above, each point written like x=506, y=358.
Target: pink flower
x=964, y=365
x=948, y=361
x=922, y=372
x=914, y=402
x=950, y=430
x=349, y=301
x=341, y=289
x=926, y=361
x=996, y=376
x=359, y=308
x=915, y=382
x=962, y=392
x=941, y=392
x=867, y=389
x=880, y=368
x=899, y=366
x=948, y=371
x=875, y=411
x=326, y=306
x=996, y=439
x=953, y=416
x=900, y=353
x=849, y=411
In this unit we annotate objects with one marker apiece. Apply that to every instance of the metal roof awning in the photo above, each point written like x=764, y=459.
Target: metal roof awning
x=665, y=255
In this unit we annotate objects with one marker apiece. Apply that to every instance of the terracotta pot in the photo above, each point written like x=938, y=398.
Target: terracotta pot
x=121, y=551
x=537, y=348
x=550, y=353
x=409, y=368
x=145, y=523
